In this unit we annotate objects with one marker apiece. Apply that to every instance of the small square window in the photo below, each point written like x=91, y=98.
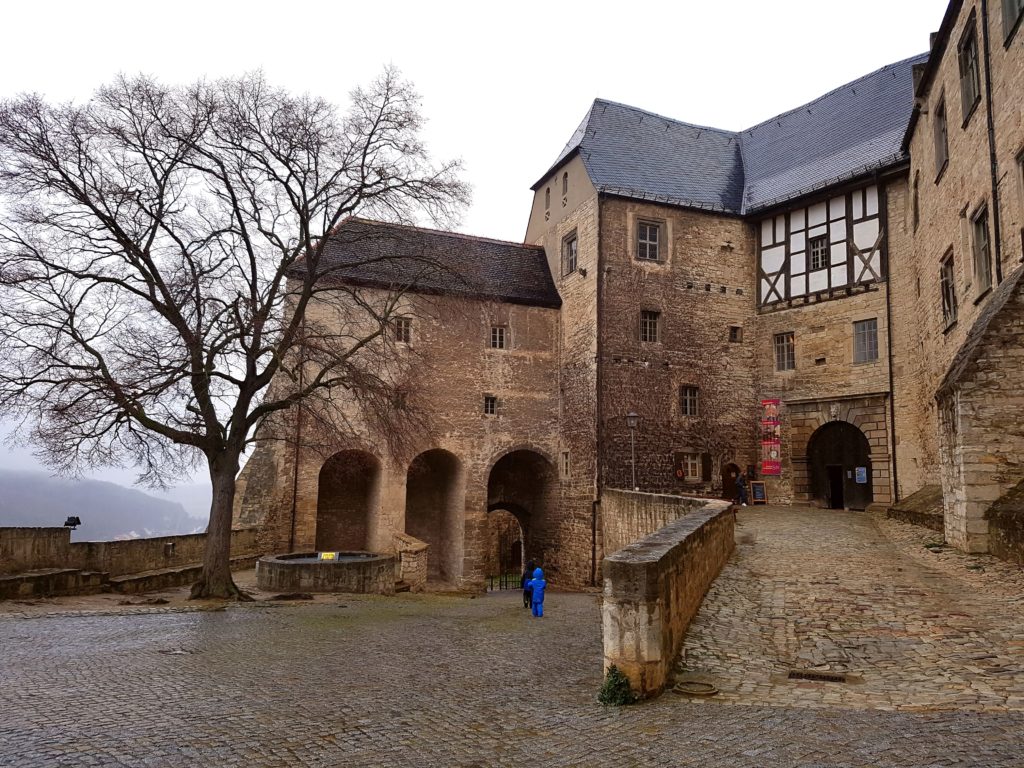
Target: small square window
x=648, y=241
x=490, y=405
x=649, y=321
x=982, y=247
x=735, y=334
x=947, y=285
x=865, y=341
x=818, y=248
x=785, y=352
x=569, y=256
x=689, y=401
x=499, y=336
x=403, y=330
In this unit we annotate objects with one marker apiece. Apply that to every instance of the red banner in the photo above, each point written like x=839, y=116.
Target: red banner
x=771, y=438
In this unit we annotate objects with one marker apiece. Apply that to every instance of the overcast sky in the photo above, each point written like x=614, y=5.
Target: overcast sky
x=504, y=85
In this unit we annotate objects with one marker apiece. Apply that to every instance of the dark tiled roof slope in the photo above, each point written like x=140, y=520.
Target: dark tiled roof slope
x=394, y=256
x=853, y=130
x=848, y=132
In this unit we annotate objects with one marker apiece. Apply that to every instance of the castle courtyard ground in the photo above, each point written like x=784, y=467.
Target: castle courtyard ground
x=933, y=642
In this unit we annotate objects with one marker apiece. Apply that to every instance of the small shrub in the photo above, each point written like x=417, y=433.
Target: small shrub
x=615, y=691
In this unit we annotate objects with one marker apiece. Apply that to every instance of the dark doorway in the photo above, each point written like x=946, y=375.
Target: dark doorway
x=523, y=483
x=839, y=461
x=729, y=474
x=835, y=487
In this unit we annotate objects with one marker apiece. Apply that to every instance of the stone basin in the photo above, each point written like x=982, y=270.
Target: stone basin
x=356, y=572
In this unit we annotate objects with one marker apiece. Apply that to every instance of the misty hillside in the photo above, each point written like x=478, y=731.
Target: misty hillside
x=108, y=511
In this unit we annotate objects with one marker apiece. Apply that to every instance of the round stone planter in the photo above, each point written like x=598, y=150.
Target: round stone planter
x=359, y=572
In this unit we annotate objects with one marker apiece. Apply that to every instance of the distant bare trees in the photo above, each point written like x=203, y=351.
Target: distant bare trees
x=159, y=249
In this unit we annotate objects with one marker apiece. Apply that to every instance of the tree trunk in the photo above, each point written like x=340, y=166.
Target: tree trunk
x=216, y=581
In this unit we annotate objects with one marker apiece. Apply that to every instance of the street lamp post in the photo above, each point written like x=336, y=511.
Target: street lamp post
x=632, y=421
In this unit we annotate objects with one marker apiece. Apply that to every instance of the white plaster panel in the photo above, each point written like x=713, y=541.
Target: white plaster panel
x=816, y=214
x=838, y=276
x=818, y=231
x=796, y=219
x=872, y=202
x=858, y=205
x=837, y=207
x=780, y=228
x=876, y=263
x=818, y=281
x=797, y=263
x=864, y=233
x=796, y=241
x=765, y=290
x=838, y=230
x=839, y=253
x=766, y=232
x=798, y=285
x=772, y=259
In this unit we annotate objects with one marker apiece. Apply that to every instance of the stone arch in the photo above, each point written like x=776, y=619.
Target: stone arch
x=523, y=481
x=435, y=510
x=839, y=463
x=348, y=497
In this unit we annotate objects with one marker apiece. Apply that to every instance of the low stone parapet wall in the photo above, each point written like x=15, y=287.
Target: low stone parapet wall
x=628, y=516
x=412, y=561
x=654, y=587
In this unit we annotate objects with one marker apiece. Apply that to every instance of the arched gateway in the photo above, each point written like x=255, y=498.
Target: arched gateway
x=522, y=483
x=839, y=461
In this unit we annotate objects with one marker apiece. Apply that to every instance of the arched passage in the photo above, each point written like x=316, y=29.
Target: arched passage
x=523, y=483
x=349, y=492
x=504, y=548
x=434, y=511
x=839, y=460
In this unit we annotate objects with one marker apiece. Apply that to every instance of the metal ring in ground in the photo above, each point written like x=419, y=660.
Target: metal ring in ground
x=693, y=688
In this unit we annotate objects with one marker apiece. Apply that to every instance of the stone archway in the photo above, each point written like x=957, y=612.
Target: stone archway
x=503, y=552
x=434, y=511
x=839, y=464
x=523, y=482
x=348, y=496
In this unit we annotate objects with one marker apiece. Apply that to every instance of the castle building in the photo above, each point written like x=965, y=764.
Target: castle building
x=831, y=300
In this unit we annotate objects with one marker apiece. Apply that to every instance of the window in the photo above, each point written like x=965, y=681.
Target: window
x=648, y=237
x=565, y=184
x=948, y=288
x=982, y=251
x=490, y=405
x=649, y=325
x=690, y=466
x=403, y=330
x=970, y=82
x=941, y=139
x=689, y=401
x=1013, y=11
x=785, y=352
x=565, y=463
x=865, y=341
x=569, y=261
x=915, y=211
x=735, y=333
x=819, y=252
x=499, y=335
x=547, y=198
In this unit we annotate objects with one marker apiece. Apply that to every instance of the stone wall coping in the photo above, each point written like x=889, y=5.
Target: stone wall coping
x=407, y=543
x=670, y=498
x=654, y=547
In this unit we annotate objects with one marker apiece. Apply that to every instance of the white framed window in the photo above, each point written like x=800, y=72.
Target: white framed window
x=649, y=322
x=689, y=401
x=648, y=240
x=981, y=247
x=785, y=351
x=818, y=247
x=865, y=341
x=490, y=405
x=569, y=254
x=403, y=330
x=499, y=337
x=947, y=285
x=970, y=80
x=691, y=466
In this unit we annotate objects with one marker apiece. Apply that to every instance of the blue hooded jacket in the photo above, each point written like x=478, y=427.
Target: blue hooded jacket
x=538, y=585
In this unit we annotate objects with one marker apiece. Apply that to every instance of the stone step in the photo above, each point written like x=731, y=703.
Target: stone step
x=51, y=582
x=168, y=578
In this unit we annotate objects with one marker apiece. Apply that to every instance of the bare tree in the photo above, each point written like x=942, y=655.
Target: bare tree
x=159, y=249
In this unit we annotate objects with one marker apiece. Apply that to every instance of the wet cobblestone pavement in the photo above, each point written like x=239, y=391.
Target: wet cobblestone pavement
x=432, y=680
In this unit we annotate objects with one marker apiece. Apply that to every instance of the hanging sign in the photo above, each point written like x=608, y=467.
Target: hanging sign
x=771, y=438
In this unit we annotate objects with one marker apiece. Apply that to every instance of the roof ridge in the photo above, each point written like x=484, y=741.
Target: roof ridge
x=443, y=232
x=850, y=84
x=630, y=107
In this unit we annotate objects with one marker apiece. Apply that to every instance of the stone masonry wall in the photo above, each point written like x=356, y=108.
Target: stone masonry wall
x=627, y=517
x=653, y=589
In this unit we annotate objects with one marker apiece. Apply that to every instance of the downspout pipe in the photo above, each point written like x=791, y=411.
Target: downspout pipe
x=888, y=328
x=993, y=163
x=599, y=411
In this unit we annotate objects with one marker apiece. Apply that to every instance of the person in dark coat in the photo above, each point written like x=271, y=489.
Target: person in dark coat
x=741, y=488
x=537, y=587
x=524, y=583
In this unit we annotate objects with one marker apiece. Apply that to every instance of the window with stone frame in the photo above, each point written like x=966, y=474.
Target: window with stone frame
x=403, y=330
x=547, y=198
x=947, y=285
x=648, y=240
x=1013, y=12
x=915, y=204
x=785, y=351
x=865, y=341
x=569, y=253
x=735, y=334
x=490, y=405
x=689, y=400
x=818, y=248
x=565, y=184
x=691, y=466
x=941, y=138
x=499, y=337
x=566, y=466
x=649, y=322
x=981, y=247
x=970, y=76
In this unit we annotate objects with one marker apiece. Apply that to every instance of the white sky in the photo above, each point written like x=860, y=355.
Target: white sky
x=503, y=85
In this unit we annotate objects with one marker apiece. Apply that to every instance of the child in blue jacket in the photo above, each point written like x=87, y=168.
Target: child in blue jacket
x=537, y=586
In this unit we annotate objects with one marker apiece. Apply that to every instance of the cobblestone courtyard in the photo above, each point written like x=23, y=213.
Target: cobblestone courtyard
x=438, y=680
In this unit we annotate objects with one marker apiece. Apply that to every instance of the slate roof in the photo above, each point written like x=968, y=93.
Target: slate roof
x=846, y=133
x=395, y=256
